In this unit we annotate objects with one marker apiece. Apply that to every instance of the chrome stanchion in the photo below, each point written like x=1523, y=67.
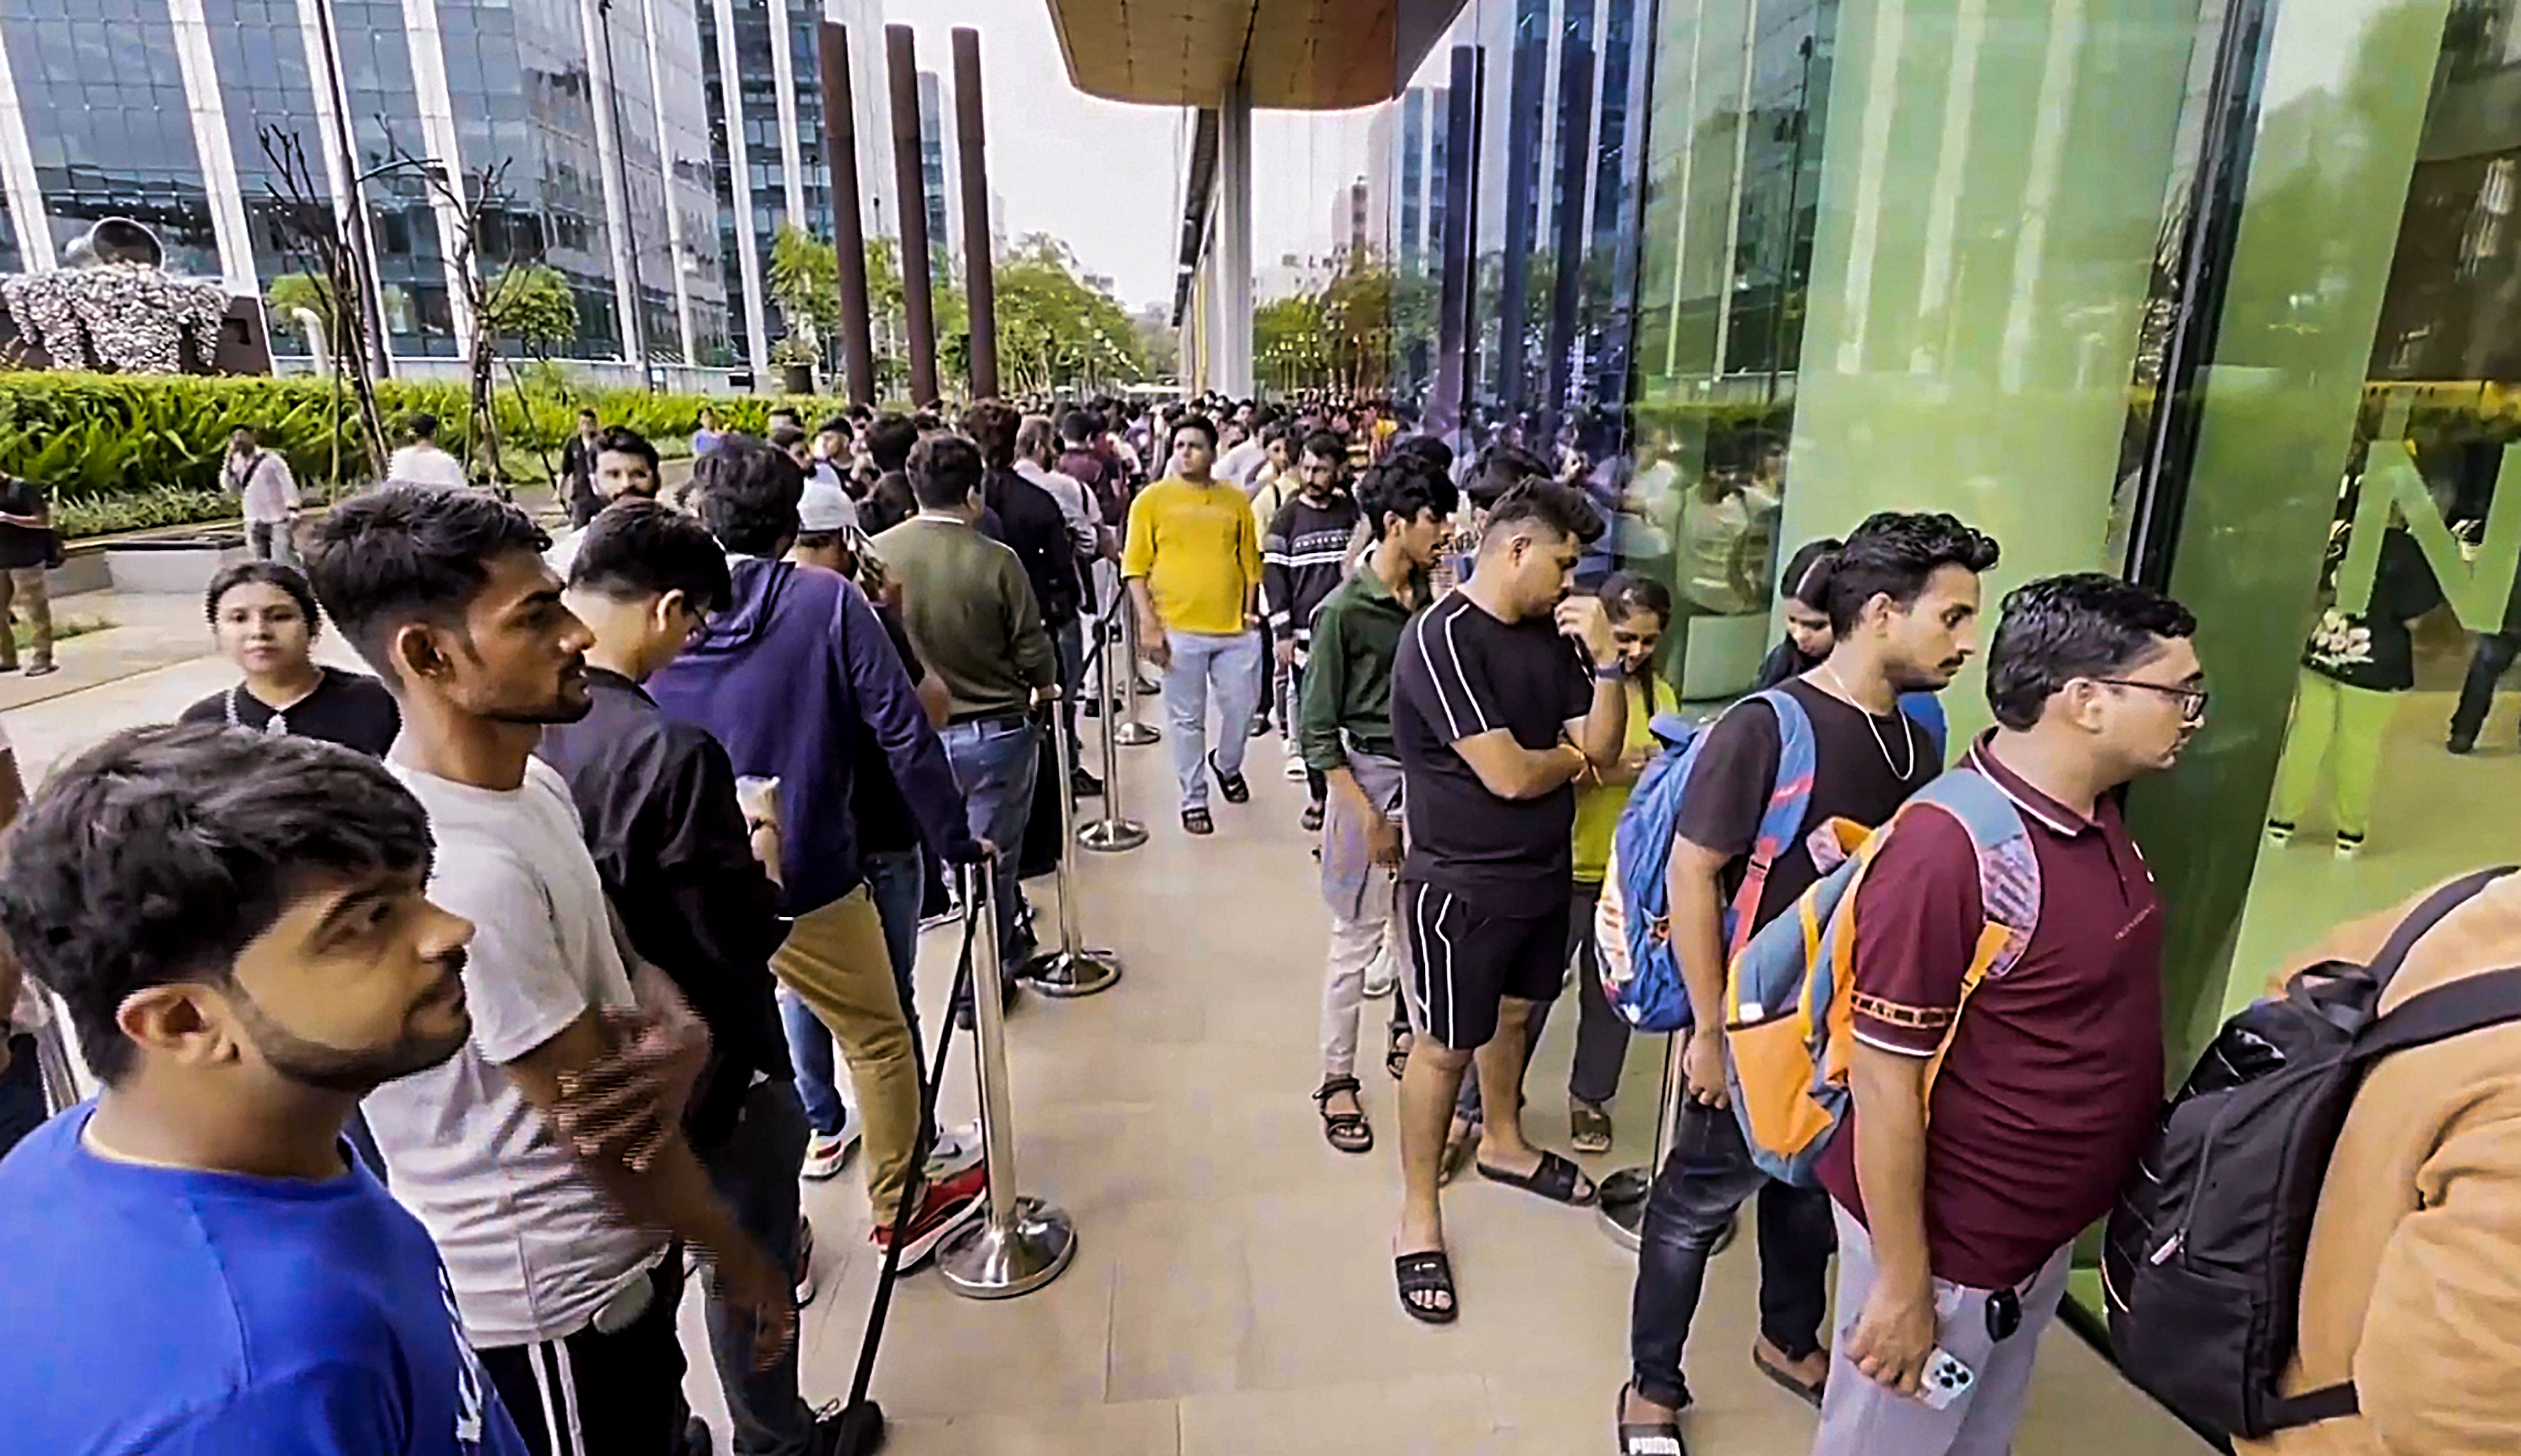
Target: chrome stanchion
x=1623, y=1200
x=1134, y=733
x=1073, y=968
x=1115, y=831
x=1020, y=1243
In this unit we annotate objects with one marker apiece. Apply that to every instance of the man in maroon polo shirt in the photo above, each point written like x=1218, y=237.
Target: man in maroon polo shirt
x=1955, y=1232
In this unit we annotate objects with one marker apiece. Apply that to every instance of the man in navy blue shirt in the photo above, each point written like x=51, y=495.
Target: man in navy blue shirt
x=192, y=1263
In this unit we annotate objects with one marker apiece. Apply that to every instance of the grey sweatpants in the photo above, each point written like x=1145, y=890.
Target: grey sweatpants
x=1862, y=1419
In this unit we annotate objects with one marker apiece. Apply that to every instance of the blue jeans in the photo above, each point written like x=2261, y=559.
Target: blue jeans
x=995, y=761
x=1232, y=667
x=1072, y=683
x=810, y=1052
x=756, y=1171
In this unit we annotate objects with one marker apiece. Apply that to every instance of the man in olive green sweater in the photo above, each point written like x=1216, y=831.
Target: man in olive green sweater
x=971, y=612
x=1345, y=732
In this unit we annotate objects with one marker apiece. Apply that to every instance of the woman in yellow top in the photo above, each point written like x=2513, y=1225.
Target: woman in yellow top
x=1640, y=610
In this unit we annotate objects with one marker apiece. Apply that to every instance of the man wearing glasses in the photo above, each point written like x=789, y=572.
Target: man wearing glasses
x=1955, y=1235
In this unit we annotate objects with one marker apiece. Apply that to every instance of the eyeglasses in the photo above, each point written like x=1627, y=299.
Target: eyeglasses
x=2192, y=700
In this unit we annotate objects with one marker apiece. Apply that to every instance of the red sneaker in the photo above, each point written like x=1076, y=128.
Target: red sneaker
x=946, y=1207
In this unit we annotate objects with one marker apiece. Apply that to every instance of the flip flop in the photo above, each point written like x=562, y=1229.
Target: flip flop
x=1646, y=1438
x=1427, y=1273
x=1554, y=1178
x=1808, y=1391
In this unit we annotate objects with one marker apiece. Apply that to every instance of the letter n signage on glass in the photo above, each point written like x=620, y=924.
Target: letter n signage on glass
x=2477, y=586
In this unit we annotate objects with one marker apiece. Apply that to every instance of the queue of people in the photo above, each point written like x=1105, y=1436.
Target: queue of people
x=557, y=918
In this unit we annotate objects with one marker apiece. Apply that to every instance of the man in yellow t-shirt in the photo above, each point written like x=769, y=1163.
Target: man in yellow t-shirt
x=1193, y=563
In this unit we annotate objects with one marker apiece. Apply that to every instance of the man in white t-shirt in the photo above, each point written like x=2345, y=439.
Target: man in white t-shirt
x=422, y=462
x=557, y=1232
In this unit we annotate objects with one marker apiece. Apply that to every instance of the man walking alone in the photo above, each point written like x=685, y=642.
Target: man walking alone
x=1193, y=565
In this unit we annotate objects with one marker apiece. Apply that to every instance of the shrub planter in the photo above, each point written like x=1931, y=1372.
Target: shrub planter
x=182, y=564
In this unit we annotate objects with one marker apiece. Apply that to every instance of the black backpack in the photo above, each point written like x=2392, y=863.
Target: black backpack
x=2203, y=1265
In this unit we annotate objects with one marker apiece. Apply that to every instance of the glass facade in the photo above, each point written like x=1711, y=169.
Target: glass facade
x=105, y=115
x=2216, y=295
x=598, y=114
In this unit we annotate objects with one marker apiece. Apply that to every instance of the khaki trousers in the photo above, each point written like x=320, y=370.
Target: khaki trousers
x=837, y=962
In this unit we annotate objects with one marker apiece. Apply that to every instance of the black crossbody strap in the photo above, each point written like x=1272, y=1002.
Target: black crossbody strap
x=2488, y=999
x=2327, y=1403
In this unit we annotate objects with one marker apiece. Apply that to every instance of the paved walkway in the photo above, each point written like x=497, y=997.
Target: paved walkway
x=1232, y=1293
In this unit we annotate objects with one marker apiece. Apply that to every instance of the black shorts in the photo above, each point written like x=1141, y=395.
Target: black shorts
x=1463, y=962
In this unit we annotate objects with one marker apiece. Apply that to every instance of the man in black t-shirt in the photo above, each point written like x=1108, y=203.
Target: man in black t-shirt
x=1495, y=714
x=1903, y=599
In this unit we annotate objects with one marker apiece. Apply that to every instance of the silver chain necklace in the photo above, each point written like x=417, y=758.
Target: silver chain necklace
x=1867, y=715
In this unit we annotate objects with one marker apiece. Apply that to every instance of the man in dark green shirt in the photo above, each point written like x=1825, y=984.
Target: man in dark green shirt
x=971, y=615
x=1345, y=732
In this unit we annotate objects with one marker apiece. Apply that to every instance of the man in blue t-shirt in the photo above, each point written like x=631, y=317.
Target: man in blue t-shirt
x=191, y=1263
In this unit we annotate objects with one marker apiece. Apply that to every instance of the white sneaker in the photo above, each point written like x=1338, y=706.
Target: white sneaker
x=1295, y=771
x=826, y=1154
x=957, y=1152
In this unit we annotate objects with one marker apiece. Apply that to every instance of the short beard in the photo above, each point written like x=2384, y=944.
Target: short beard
x=331, y=1068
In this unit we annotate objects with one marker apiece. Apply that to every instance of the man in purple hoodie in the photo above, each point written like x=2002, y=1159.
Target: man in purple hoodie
x=789, y=677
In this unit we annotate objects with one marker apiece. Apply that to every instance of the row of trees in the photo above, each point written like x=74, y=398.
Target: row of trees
x=1054, y=332
x=1347, y=336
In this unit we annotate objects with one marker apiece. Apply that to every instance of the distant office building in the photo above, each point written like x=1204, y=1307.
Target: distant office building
x=1351, y=215
x=1405, y=176
x=159, y=110
x=940, y=173
x=767, y=162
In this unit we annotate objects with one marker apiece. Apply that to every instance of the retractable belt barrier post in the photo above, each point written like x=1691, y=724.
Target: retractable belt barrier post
x=1115, y=831
x=1623, y=1195
x=1073, y=968
x=1134, y=733
x=1020, y=1243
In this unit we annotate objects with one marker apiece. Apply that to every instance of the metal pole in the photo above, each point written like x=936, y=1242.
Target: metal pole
x=1134, y=733
x=1624, y=1193
x=1115, y=831
x=979, y=280
x=901, y=65
x=1022, y=1243
x=1074, y=969
x=848, y=230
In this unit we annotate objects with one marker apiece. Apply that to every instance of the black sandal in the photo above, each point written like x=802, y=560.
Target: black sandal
x=1396, y=1051
x=1555, y=1179
x=1588, y=1125
x=1428, y=1273
x=1197, y=821
x=1345, y=1131
x=1810, y=1392
x=1646, y=1438
x=1235, y=788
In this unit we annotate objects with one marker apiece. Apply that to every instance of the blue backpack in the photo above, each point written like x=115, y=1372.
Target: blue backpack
x=1632, y=921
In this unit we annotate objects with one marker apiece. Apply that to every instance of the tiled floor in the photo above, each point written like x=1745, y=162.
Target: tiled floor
x=1232, y=1293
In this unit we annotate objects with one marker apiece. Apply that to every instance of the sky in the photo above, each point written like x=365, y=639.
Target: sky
x=1106, y=178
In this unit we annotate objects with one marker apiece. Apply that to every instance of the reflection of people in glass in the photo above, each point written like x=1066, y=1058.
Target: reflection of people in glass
x=1808, y=638
x=2359, y=659
x=2494, y=653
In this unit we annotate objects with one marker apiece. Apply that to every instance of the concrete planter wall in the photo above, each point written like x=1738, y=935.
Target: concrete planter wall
x=182, y=565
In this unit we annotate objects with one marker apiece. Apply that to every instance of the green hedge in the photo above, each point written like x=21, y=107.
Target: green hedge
x=96, y=438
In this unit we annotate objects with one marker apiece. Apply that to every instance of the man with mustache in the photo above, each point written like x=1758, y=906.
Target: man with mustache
x=192, y=1261
x=1955, y=1234
x=1903, y=599
x=560, y=1248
